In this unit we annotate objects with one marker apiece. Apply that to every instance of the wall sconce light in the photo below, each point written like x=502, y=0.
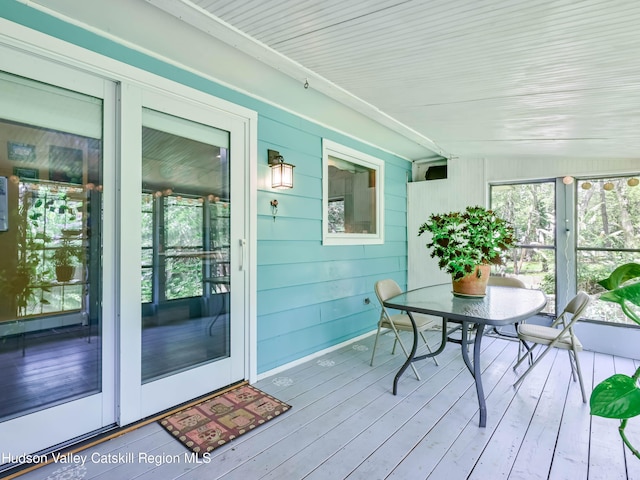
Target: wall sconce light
x=281, y=172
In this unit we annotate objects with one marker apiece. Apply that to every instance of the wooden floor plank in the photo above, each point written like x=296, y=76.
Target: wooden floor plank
x=606, y=455
x=357, y=389
x=346, y=423
x=406, y=446
x=308, y=408
x=419, y=458
x=334, y=457
x=535, y=453
x=571, y=455
x=461, y=458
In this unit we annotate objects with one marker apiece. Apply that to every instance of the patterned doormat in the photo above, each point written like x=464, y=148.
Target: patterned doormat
x=213, y=422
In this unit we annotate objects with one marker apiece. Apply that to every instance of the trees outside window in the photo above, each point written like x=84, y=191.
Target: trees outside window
x=602, y=217
x=530, y=208
x=608, y=235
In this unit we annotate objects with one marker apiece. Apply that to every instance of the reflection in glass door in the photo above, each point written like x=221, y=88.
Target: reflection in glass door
x=50, y=239
x=186, y=281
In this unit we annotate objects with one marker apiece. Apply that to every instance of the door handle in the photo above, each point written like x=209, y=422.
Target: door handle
x=243, y=243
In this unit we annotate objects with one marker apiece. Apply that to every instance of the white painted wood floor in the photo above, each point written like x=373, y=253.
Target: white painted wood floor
x=346, y=423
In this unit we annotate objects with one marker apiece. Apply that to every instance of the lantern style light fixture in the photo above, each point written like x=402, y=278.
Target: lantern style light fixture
x=281, y=172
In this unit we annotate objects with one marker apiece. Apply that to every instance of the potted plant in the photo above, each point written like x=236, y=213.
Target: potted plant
x=66, y=257
x=619, y=396
x=467, y=243
x=23, y=269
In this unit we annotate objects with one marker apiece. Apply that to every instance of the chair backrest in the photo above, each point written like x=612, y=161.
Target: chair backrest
x=575, y=307
x=386, y=289
x=506, y=282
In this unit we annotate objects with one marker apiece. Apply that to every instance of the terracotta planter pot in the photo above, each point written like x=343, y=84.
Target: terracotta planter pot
x=473, y=284
x=64, y=273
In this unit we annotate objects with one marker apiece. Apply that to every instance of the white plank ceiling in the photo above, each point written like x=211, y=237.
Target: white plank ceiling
x=464, y=78
x=485, y=79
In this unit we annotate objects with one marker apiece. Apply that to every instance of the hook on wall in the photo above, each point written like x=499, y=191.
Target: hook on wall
x=274, y=208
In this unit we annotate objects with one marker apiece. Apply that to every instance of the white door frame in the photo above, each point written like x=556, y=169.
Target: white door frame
x=136, y=400
x=130, y=78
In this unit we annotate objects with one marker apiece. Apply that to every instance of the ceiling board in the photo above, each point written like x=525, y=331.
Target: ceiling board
x=481, y=79
x=464, y=78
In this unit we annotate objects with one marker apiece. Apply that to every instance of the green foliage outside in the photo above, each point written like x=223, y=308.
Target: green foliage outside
x=43, y=214
x=607, y=233
x=182, y=243
x=335, y=214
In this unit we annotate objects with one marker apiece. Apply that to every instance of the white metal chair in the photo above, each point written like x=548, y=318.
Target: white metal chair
x=386, y=289
x=505, y=282
x=559, y=335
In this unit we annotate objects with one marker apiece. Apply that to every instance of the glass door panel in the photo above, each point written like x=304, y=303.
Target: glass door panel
x=185, y=275
x=50, y=238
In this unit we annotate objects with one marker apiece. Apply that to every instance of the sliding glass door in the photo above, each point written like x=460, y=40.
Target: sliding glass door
x=191, y=277
x=123, y=274
x=55, y=342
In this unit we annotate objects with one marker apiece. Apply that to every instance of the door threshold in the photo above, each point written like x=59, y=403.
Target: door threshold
x=97, y=437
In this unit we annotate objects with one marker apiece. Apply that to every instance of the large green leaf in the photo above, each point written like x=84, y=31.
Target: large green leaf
x=616, y=397
x=625, y=293
x=630, y=293
x=619, y=295
x=621, y=275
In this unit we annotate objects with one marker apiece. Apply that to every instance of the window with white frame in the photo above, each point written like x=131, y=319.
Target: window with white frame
x=353, y=209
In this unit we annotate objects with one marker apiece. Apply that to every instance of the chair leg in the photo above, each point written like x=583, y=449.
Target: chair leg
x=528, y=353
x=375, y=345
x=428, y=348
x=537, y=360
x=575, y=357
x=406, y=354
x=395, y=342
x=519, y=353
x=573, y=368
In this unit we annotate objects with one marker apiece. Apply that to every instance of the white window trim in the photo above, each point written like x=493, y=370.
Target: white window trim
x=365, y=160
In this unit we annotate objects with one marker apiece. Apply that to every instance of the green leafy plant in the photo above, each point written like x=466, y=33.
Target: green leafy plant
x=619, y=396
x=17, y=281
x=67, y=254
x=462, y=240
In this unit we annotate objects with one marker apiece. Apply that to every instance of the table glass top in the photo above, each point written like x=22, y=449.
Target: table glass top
x=500, y=306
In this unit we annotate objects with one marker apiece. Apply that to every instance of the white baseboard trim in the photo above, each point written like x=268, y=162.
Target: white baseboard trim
x=320, y=353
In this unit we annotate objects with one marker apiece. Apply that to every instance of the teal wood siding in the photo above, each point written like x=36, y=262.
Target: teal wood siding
x=310, y=297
